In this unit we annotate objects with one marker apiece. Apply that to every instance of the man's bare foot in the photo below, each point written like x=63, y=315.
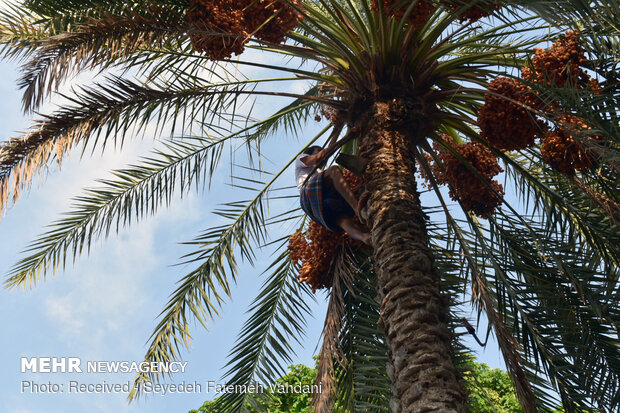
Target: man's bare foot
x=366, y=239
x=360, y=205
x=355, y=230
x=363, y=237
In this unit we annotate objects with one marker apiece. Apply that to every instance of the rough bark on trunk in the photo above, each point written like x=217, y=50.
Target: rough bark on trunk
x=413, y=312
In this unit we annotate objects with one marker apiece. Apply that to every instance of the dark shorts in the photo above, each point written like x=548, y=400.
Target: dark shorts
x=323, y=204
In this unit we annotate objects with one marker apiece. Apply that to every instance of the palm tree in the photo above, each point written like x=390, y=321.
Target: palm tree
x=420, y=86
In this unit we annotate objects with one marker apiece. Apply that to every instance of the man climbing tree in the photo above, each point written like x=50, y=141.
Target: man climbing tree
x=325, y=195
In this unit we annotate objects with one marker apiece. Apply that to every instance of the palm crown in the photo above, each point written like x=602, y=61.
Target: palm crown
x=439, y=88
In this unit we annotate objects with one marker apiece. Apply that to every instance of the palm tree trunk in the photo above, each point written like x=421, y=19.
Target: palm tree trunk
x=413, y=312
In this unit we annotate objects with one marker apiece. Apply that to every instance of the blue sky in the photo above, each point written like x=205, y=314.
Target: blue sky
x=105, y=306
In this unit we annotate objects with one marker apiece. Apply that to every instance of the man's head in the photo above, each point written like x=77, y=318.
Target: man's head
x=312, y=150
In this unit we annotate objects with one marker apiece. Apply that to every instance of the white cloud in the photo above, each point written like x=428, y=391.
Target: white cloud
x=106, y=292
x=61, y=311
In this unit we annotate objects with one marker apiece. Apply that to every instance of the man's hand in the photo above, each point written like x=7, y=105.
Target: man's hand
x=316, y=158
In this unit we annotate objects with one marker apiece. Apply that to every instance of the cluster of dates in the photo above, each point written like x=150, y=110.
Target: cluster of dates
x=561, y=64
x=468, y=170
x=419, y=15
x=317, y=249
x=504, y=121
x=507, y=119
x=423, y=9
x=563, y=153
x=472, y=13
x=223, y=27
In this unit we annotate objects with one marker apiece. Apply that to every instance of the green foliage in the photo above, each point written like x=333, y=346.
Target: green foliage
x=293, y=402
x=490, y=391
x=277, y=402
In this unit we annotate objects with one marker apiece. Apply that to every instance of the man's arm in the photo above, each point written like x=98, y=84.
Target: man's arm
x=315, y=159
x=318, y=157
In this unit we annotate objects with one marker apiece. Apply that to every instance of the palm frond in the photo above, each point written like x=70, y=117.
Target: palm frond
x=366, y=348
x=18, y=37
x=597, y=21
x=201, y=291
x=140, y=190
x=277, y=318
x=515, y=280
x=109, y=111
x=356, y=356
x=520, y=250
x=536, y=190
x=569, y=317
x=331, y=352
x=134, y=192
x=100, y=42
x=484, y=299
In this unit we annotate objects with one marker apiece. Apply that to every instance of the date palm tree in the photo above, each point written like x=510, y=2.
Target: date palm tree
x=409, y=81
